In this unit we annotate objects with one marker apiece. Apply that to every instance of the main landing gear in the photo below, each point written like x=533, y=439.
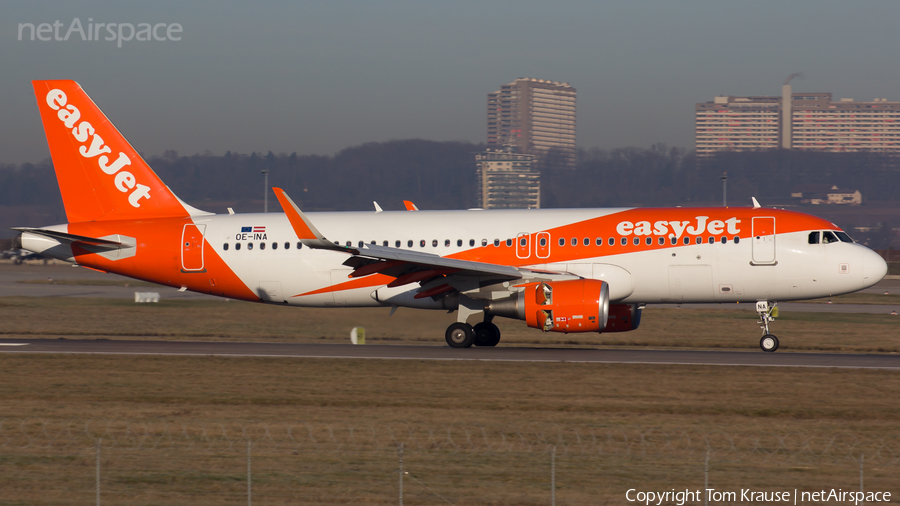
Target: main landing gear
x=463, y=335
x=768, y=342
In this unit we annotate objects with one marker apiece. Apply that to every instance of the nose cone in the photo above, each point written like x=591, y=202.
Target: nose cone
x=874, y=268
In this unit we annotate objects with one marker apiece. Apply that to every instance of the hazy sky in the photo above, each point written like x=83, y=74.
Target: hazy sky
x=321, y=76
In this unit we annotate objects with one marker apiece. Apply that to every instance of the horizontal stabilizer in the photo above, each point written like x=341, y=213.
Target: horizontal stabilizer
x=69, y=238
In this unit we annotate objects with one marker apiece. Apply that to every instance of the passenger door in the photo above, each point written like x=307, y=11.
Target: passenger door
x=192, y=248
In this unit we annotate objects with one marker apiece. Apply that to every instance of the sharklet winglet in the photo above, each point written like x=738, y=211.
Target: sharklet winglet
x=308, y=234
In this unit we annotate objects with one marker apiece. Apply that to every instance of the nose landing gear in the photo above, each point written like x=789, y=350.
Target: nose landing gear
x=768, y=342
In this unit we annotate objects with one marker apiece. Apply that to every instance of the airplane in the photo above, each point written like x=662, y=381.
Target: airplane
x=559, y=270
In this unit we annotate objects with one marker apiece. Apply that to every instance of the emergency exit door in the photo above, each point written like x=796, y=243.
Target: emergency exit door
x=764, y=240
x=192, y=248
x=523, y=245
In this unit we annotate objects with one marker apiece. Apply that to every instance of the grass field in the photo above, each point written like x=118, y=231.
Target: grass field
x=547, y=399
x=827, y=416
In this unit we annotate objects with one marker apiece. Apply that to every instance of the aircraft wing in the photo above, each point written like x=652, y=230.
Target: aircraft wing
x=435, y=273
x=436, y=261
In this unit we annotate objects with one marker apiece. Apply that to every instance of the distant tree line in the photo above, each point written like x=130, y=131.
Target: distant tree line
x=441, y=175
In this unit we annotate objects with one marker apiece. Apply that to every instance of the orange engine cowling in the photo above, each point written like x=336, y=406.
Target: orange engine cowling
x=578, y=305
x=623, y=317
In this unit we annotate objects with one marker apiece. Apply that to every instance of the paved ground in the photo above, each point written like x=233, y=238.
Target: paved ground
x=12, y=275
x=499, y=354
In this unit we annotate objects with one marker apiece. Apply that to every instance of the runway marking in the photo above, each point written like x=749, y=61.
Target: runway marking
x=479, y=359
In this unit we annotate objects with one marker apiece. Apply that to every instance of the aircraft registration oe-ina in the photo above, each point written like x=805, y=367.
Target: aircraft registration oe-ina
x=560, y=270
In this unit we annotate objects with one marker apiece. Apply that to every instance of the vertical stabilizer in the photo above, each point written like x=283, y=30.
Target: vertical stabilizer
x=101, y=177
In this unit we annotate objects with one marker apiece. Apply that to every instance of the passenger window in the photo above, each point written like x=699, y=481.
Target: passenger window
x=287, y=245
x=637, y=240
x=574, y=241
x=249, y=245
x=225, y=246
x=446, y=243
x=699, y=240
x=385, y=243
x=471, y=242
x=496, y=243
x=662, y=241
x=397, y=244
x=237, y=246
x=687, y=240
x=422, y=243
x=409, y=243
x=674, y=240
x=376, y=242
x=274, y=245
x=711, y=240
x=624, y=241
x=587, y=241
x=814, y=238
x=612, y=241
x=843, y=237
x=599, y=241
x=543, y=241
x=524, y=241
x=434, y=243
x=484, y=242
x=360, y=244
x=262, y=245
x=508, y=243
x=828, y=237
x=562, y=242
x=459, y=243
x=299, y=245
x=737, y=239
x=724, y=240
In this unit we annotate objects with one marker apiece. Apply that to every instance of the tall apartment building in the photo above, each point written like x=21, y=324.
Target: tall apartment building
x=797, y=121
x=534, y=116
x=507, y=180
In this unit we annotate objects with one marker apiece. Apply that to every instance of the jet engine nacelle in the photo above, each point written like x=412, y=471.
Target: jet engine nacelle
x=623, y=317
x=578, y=305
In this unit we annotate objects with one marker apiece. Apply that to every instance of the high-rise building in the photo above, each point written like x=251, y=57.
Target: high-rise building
x=797, y=121
x=507, y=180
x=534, y=116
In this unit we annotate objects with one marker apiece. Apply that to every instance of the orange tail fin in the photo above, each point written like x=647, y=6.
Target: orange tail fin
x=101, y=177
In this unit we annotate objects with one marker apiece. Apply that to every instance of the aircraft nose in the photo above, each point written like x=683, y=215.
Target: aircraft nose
x=874, y=268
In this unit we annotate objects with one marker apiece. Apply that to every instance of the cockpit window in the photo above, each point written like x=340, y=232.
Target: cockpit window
x=843, y=236
x=814, y=237
x=828, y=237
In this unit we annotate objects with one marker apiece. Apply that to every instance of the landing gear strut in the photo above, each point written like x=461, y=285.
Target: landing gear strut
x=768, y=342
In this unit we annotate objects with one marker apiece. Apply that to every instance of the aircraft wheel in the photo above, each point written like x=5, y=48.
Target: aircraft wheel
x=768, y=343
x=460, y=335
x=486, y=334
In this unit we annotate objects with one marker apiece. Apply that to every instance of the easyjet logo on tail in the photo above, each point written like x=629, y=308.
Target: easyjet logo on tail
x=677, y=228
x=93, y=146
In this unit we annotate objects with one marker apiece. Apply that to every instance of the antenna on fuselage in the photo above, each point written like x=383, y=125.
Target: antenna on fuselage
x=755, y=203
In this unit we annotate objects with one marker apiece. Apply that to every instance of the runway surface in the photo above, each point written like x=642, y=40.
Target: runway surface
x=499, y=354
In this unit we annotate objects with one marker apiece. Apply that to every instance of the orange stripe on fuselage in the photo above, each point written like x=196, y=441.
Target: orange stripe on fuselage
x=606, y=226
x=364, y=282
x=158, y=257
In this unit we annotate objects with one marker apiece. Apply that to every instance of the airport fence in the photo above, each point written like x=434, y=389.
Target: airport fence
x=235, y=462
